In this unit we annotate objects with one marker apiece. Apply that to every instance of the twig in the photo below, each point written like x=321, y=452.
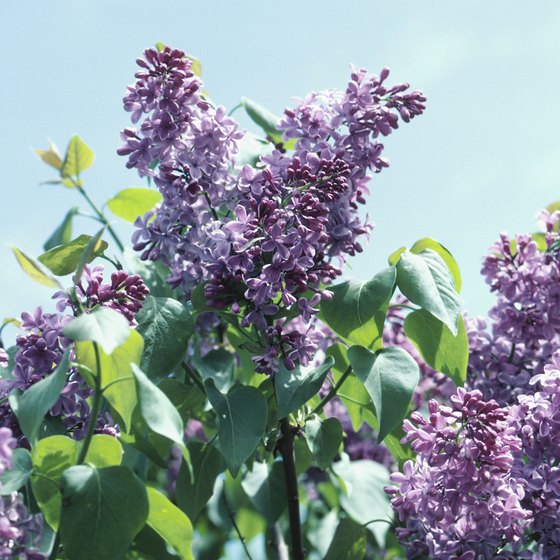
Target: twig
x=332, y=393
x=233, y=522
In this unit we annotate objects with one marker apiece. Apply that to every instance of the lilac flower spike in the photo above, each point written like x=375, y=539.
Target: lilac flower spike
x=262, y=239
x=460, y=497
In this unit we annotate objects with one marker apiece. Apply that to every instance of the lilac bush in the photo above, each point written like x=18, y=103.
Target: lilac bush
x=141, y=401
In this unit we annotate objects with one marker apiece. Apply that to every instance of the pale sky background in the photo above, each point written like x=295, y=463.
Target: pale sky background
x=484, y=158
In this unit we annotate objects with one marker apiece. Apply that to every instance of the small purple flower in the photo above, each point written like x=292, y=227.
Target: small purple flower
x=7, y=445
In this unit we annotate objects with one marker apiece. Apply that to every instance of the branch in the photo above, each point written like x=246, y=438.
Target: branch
x=286, y=447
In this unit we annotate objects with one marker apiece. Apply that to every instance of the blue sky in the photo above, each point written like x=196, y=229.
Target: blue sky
x=484, y=158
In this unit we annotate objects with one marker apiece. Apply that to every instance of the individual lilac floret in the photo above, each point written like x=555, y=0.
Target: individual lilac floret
x=7, y=445
x=460, y=498
x=3, y=358
x=20, y=532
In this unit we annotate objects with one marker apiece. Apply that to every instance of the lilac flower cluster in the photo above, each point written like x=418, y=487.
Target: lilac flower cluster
x=460, y=497
x=19, y=531
x=124, y=294
x=263, y=239
x=41, y=344
x=538, y=423
x=525, y=321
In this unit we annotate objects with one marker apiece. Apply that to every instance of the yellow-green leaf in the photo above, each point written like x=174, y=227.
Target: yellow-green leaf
x=35, y=270
x=50, y=156
x=128, y=204
x=170, y=523
x=79, y=157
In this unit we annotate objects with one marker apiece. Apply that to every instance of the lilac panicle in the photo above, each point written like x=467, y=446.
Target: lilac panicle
x=263, y=239
x=41, y=345
x=524, y=327
x=460, y=497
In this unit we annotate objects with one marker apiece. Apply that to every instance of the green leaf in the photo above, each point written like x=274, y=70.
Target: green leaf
x=51, y=457
x=165, y=325
x=401, y=451
x=444, y=253
x=187, y=399
x=63, y=233
x=50, y=156
x=357, y=310
x=103, y=325
x=218, y=365
x=390, y=377
x=104, y=451
x=128, y=204
x=365, y=499
x=349, y=542
x=425, y=280
x=93, y=247
x=117, y=379
x=353, y=394
x=168, y=521
x=261, y=116
x=14, y=478
x=64, y=259
x=439, y=348
x=324, y=438
x=32, y=405
x=157, y=410
x=35, y=270
x=102, y=511
x=242, y=415
x=267, y=489
x=195, y=485
x=295, y=387
x=79, y=157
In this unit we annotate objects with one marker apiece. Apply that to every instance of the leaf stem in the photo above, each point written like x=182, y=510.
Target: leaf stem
x=286, y=448
x=332, y=393
x=95, y=408
x=101, y=216
x=193, y=376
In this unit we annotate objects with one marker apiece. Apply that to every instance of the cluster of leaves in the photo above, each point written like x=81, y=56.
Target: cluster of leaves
x=106, y=497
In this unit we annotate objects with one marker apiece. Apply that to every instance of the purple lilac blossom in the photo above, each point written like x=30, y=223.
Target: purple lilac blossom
x=125, y=293
x=538, y=424
x=20, y=532
x=264, y=239
x=7, y=445
x=3, y=358
x=524, y=326
x=460, y=498
x=41, y=345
